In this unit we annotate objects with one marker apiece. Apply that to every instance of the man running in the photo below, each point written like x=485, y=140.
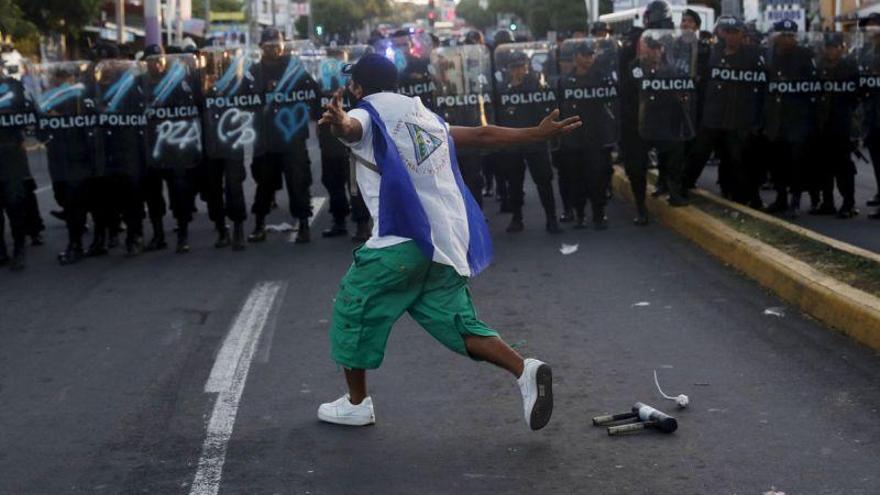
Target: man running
x=428, y=236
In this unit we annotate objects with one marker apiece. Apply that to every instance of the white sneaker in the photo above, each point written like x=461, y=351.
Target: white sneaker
x=343, y=412
x=536, y=385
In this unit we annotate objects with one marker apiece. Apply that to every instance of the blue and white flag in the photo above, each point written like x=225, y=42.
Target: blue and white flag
x=422, y=195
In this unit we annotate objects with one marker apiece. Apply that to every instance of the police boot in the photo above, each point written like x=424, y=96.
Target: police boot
x=182, y=238
x=304, y=235
x=642, y=217
x=580, y=222
x=158, y=240
x=259, y=234
x=99, y=243
x=516, y=224
x=823, y=208
x=600, y=220
x=338, y=229
x=18, y=256
x=222, y=235
x=567, y=216
x=363, y=233
x=794, y=207
x=238, y=236
x=134, y=245
x=72, y=254
x=875, y=201
x=552, y=225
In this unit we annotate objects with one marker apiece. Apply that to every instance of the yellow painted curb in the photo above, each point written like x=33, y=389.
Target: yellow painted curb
x=852, y=311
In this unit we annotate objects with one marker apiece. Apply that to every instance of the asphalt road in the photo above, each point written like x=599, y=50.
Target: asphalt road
x=202, y=373
x=859, y=231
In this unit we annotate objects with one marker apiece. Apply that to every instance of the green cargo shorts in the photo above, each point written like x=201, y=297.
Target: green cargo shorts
x=384, y=283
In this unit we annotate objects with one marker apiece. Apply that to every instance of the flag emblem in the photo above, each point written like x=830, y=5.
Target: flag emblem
x=424, y=143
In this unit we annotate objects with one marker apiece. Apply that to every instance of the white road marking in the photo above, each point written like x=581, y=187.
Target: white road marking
x=317, y=205
x=227, y=379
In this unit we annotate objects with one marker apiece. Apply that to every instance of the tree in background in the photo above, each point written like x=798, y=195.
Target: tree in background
x=548, y=15
x=476, y=16
x=198, y=6
x=66, y=17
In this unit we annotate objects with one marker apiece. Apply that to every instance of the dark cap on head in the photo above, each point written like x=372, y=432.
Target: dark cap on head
x=374, y=72
x=401, y=33
x=833, y=40
x=730, y=23
x=600, y=26
x=473, y=38
x=503, y=36
x=658, y=16
x=785, y=26
x=584, y=49
x=151, y=50
x=271, y=35
x=871, y=19
x=693, y=15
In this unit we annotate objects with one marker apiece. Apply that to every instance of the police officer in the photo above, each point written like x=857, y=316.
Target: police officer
x=590, y=91
x=839, y=75
x=14, y=172
x=790, y=115
x=286, y=154
x=231, y=112
x=518, y=91
x=632, y=147
x=494, y=169
x=174, y=143
x=871, y=24
x=118, y=191
x=66, y=108
x=731, y=113
x=336, y=167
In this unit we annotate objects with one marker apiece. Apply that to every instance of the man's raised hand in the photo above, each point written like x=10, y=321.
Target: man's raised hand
x=550, y=127
x=333, y=112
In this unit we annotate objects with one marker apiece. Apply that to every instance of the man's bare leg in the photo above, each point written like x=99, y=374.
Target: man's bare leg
x=357, y=385
x=495, y=351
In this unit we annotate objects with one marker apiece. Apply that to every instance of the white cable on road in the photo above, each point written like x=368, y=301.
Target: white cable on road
x=227, y=379
x=682, y=400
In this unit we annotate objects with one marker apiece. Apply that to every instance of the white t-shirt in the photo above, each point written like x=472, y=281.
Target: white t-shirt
x=422, y=143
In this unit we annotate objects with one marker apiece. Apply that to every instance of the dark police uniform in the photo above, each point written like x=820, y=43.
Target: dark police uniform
x=14, y=117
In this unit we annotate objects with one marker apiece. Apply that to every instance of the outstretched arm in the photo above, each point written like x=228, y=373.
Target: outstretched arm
x=341, y=125
x=491, y=135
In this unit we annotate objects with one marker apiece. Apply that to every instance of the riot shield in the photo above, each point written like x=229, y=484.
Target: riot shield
x=588, y=87
x=412, y=56
x=867, y=51
x=174, y=130
x=839, y=74
x=463, y=84
x=232, y=102
x=67, y=119
x=290, y=95
x=525, y=74
x=666, y=70
x=793, y=87
x=16, y=113
x=736, y=83
x=121, y=117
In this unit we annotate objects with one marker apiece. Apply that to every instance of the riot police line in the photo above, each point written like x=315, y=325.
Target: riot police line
x=119, y=132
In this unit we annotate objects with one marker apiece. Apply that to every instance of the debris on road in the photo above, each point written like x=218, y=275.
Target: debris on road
x=776, y=311
x=640, y=304
x=681, y=400
x=280, y=227
x=567, y=249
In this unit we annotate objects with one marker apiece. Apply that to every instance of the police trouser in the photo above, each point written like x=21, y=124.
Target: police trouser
x=73, y=197
x=224, y=190
x=336, y=178
x=115, y=196
x=737, y=177
x=496, y=166
x=294, y=168
x=872, y=142
x=33, y=220
x=538, y=163
x=789, y=166
x=670, y=159
x=13, y=205
x=635, y=162
x=182, y=188
x=588, y=175
x=570, y=181
x=835, y=165
x=470, y=163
